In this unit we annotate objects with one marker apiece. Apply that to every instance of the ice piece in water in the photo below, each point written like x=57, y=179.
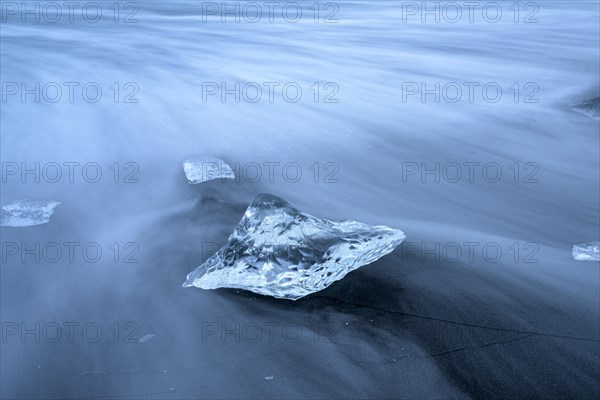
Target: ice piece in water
x=587, y=251
x=591, y=108
x=202, y=169
x=279, y=251
x=27, y=213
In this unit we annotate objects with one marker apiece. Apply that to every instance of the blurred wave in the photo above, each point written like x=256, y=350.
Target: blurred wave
x=370, y=135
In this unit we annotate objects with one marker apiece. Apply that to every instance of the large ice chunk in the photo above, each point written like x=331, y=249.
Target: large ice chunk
x=279, y=251
x=587, y=251
x=206, y=168
x=27, y=213
x=591, y=108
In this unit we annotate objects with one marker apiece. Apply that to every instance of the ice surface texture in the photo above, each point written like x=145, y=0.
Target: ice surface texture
x=279, y=251
x=591, y=108
x=27, y=213
x=587, y=251
x=202, y=169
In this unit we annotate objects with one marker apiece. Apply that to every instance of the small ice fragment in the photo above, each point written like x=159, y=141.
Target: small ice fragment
x=279, y=251
x=587, y=251
x=145, y=338
x=206, y=168
x=590, y=108
x=269, y=378
x=21, y=213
